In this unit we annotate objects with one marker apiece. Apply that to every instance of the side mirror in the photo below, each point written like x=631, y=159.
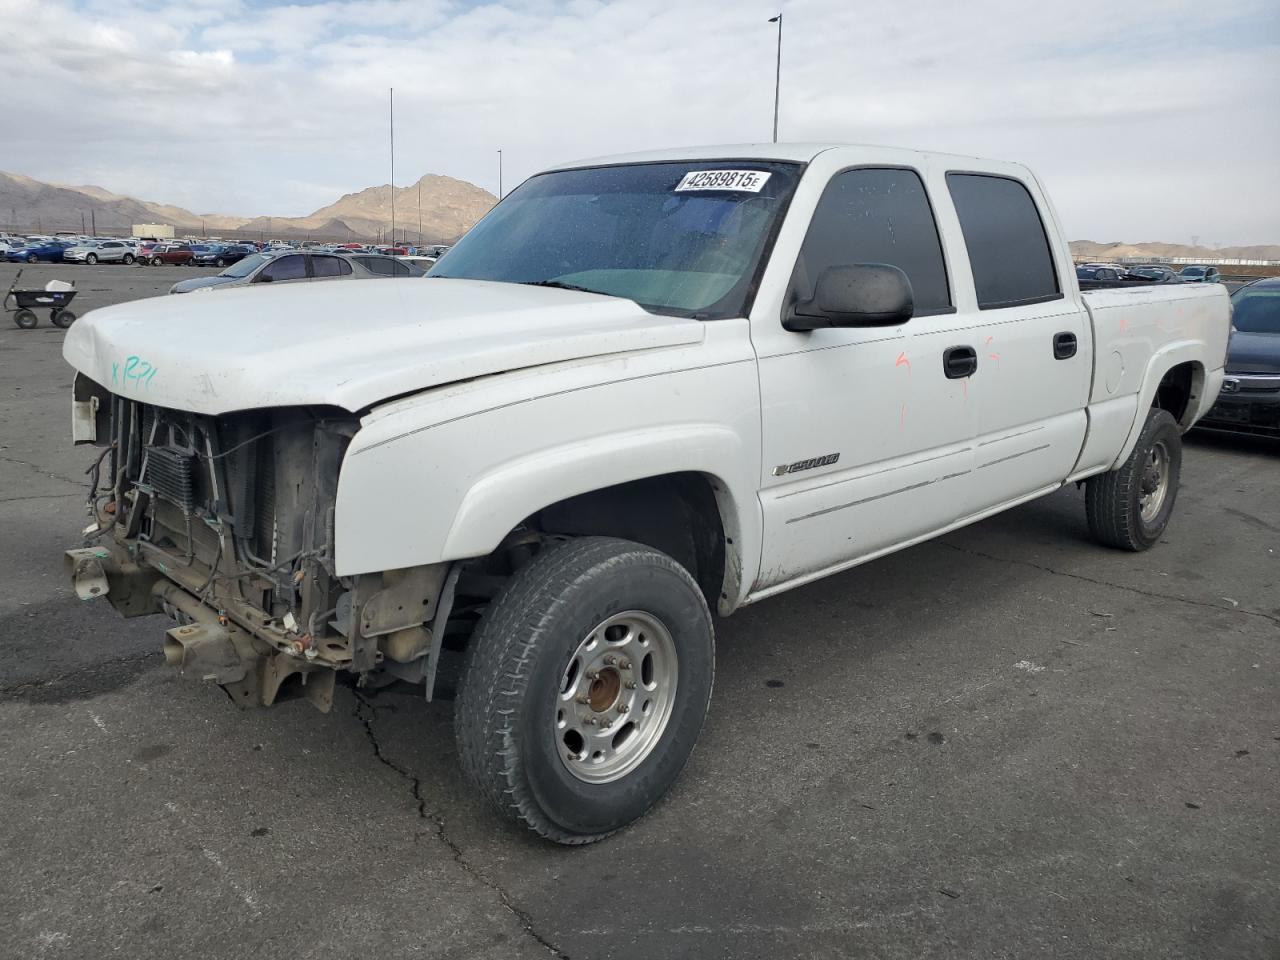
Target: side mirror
x=857, y=295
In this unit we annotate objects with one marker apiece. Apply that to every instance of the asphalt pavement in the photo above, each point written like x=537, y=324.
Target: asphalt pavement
x=1009, y=742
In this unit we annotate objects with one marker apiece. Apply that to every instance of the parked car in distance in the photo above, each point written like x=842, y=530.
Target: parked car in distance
x=1198, y=274
x=1250, y=398
x=385, y=266
x=1152, y=273
x=178, y=253
x=99, y=251
x=221, y=255
x=49, y=251
x=283, y=267
x=1096, y=273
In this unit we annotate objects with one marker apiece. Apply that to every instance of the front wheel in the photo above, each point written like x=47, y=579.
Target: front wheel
x=156, y=261
x=128, y=259
x=1129, y=507
x=64, y=319
x=219, y=262
x=26, y=319
x=32, y=258
x=585, y=687
x=91, y=259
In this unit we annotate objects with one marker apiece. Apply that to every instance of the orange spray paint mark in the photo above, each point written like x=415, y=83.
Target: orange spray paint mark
x=902, y=418
x=902, y=361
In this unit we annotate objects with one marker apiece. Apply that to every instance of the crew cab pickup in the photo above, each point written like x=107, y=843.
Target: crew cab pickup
x=641, y=389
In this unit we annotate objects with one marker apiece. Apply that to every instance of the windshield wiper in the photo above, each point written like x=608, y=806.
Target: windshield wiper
x=561, y=285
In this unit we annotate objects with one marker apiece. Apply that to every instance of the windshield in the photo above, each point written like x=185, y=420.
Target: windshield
x=654, y=233
x=1257, y=310
x=1192, y=271
x=242, y=268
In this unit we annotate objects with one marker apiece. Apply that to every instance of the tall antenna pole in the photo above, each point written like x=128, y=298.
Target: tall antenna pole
x=419, y=212
x=777, y=76
x=393, y=164
x=499, y=174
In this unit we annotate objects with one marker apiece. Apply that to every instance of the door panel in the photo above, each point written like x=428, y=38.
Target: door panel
x=903, y=432
x=1035, y=341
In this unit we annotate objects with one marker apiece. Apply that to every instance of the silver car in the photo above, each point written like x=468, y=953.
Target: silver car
x=283, y=266
x=100, y=251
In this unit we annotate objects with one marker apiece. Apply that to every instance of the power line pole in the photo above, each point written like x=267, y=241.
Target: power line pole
x=777, y=76
x=499, y=174
x=419, y=212
x=393, y=164
x=93, y=220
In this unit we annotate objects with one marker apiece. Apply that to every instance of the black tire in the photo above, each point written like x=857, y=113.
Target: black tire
x=26, y=319
x=1113, y=500
x=156, y=261
x=32, y=258
x=128, y=259
x=219, y=263
x=64, y=319
x=91, y=259
x=506, y=715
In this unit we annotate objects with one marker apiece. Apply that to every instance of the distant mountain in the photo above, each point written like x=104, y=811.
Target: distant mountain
x=449, y=208
x=1158, y=250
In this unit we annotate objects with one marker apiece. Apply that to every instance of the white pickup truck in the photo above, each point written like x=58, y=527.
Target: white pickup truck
x=643, y=388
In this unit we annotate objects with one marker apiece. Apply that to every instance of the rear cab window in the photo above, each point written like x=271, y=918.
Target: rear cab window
x=1009, y=251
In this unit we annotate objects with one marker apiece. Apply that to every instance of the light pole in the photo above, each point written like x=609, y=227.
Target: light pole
x=777, y=76
x=393, y=164
x=419, y=211
x=499, y=174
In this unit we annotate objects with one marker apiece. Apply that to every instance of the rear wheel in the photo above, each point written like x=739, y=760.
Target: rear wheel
x=26, y=319
x=585, y=687
x=64, y=319
x=1130, y=507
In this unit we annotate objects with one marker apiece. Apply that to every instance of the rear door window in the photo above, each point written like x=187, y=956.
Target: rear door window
x=285, y=268
x=330, y=266
x=877, y=215
x=1008, y=248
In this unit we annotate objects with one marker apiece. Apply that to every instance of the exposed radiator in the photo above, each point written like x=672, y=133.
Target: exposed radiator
x=170, y=472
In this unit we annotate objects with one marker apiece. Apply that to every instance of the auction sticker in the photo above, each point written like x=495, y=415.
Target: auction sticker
x=743, y=181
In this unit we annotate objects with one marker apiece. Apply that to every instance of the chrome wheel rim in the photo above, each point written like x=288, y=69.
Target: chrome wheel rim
x=1154, y=487
x=615, y=697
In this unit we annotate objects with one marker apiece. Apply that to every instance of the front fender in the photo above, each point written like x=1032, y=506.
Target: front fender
x=420, y=486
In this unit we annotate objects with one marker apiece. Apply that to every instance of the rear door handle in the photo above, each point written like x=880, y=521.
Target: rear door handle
x=1064, y=346
x=959, y=362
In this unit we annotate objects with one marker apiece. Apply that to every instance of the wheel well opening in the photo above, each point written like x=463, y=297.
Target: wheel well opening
x=676, y=513
x=1177, y=388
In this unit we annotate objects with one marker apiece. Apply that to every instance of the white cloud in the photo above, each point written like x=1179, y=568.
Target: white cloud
x=1143, y=125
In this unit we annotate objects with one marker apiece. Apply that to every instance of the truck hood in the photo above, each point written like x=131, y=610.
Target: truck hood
x=1253, y=352
x=348, y=345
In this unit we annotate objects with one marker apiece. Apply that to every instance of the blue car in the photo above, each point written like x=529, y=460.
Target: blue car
x=35, y=253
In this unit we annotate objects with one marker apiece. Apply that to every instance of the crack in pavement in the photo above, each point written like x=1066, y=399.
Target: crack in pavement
x=42, y=496
x=79, y=671
x=41, y=470
x=1106, y=583
x=366, y=713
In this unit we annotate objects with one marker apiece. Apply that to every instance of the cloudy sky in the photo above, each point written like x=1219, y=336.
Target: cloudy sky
x=1148, y=121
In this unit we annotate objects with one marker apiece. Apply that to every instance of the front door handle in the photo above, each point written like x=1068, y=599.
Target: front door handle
x=959, y=362
x=1064, y=346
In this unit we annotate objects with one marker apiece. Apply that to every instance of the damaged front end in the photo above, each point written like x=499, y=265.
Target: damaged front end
x=226, y=524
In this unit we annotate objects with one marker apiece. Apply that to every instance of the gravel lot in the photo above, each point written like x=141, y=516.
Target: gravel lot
x=1006, y=743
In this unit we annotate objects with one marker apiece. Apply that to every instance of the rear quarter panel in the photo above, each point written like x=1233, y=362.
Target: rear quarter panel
x=1140, y=333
